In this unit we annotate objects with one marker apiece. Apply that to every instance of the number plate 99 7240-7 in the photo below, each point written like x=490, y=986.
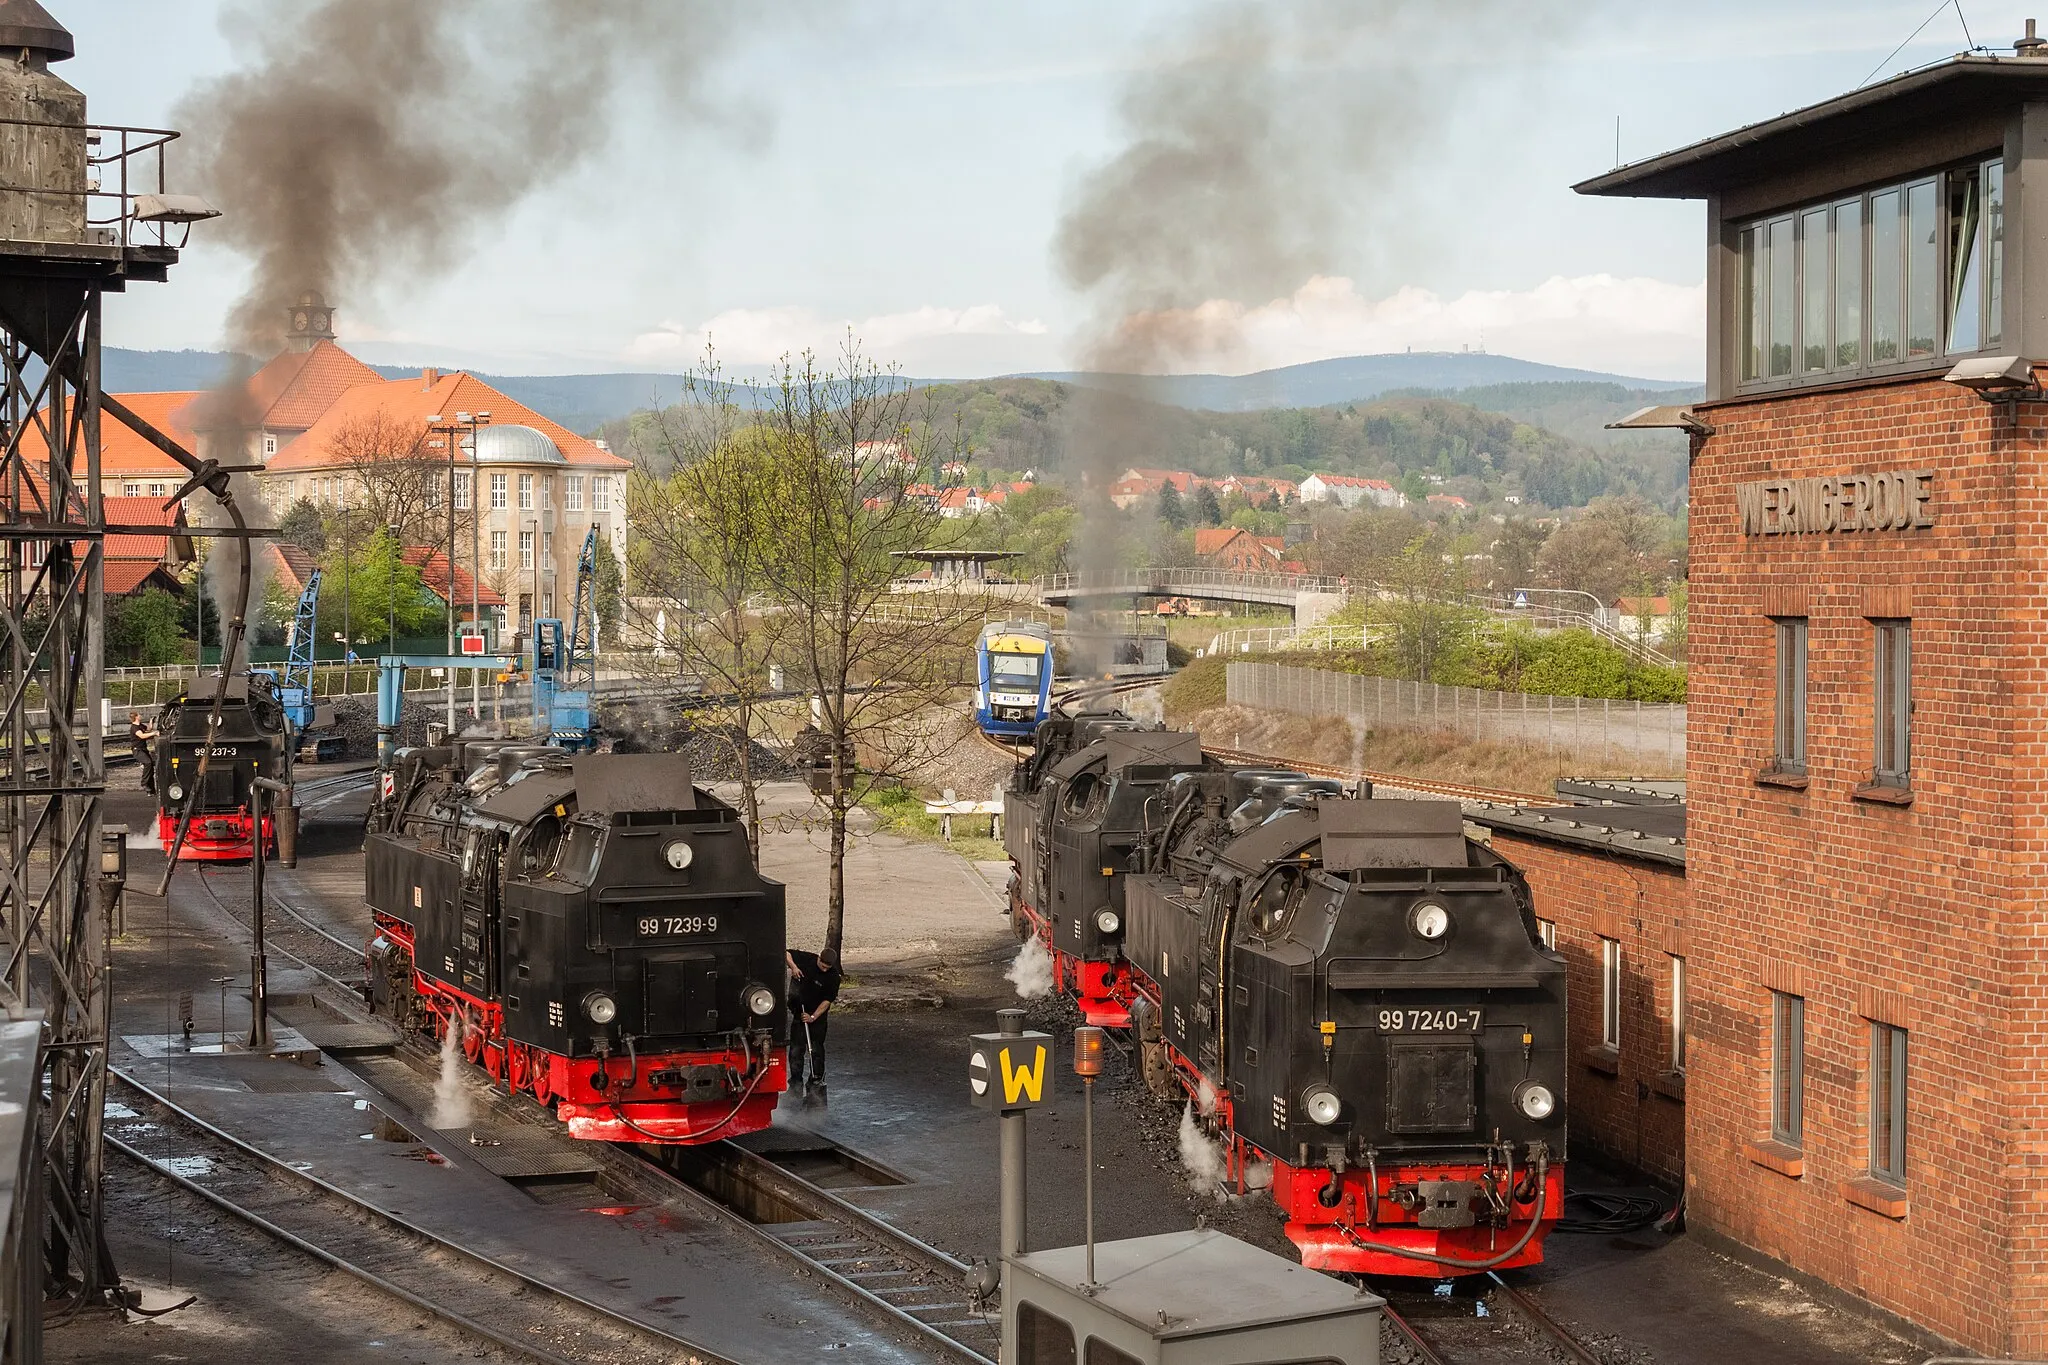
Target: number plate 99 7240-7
x=1452, y=1020
x=664, y=926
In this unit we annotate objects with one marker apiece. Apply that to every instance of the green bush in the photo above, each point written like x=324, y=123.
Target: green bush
x=1505, y=658
x=1197, y=687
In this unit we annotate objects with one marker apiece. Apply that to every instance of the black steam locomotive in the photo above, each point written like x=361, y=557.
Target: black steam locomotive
x=249, y=743
x=1352, y=991
x=592, y=928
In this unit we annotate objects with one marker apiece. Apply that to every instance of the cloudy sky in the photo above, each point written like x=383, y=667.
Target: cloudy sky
x=903, y=167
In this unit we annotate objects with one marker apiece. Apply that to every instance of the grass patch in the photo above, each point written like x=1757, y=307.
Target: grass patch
x=1198, y=687
x=899, y=810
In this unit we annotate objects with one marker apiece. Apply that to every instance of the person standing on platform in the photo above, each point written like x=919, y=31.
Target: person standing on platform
x=813, y=986
x=140, y=734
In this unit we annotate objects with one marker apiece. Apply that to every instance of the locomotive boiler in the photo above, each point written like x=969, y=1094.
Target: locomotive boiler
x=592, y=928
x=207, y=769
x=1352, y=991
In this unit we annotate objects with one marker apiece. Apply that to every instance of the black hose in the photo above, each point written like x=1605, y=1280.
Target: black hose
x=1609, y=1211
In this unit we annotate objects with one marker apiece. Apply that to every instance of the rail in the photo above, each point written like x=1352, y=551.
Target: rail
x=1183, y=582
x=1278, y=639
x=1549, y=612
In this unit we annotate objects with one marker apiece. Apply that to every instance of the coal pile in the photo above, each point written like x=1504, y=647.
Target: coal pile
x=355, y=720
x=713, y=749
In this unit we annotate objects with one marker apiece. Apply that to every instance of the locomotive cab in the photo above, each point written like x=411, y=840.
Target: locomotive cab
x=208, y=770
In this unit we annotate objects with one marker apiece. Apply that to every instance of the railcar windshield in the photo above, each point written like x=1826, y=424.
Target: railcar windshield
x=1015, y=672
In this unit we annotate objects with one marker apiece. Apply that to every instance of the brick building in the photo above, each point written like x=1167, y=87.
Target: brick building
x=1608, y=876
x=1866, y=940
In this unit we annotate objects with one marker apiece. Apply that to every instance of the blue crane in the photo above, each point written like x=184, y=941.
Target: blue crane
x=295, y=688
x=565, y=662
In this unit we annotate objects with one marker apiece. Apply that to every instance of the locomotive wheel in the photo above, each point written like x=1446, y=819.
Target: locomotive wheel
x=1158, y=1072
x=518, y=1067
x=543, y=1084
x=494, y=1061
x=1020, y=923
x=473, y=1043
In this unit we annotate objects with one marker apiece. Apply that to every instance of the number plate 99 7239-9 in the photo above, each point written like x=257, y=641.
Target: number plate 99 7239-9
x=1432, y=1020
x=663, y=926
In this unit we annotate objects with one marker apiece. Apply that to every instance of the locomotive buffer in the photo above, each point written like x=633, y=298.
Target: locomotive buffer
x=1179, y=1298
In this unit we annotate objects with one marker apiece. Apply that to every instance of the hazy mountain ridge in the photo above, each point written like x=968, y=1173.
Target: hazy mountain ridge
x=584, y=402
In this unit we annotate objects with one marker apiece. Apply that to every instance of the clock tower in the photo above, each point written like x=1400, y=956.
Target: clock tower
x=308, y=322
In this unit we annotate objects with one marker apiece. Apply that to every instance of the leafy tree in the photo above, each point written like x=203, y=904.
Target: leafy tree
x=1207, y=510
x=361, y=593
x=145, y=629
x=610, y=588
x=304, y=525
x=844, y=448
x=1515, y=553
x=1171, y=512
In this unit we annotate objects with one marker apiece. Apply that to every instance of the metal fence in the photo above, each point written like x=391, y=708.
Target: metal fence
x=1600, y=731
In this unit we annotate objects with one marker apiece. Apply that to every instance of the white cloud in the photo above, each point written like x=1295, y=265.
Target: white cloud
x=762, y=336
x=1645, y=327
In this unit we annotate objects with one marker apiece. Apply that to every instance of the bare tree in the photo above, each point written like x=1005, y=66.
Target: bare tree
x=698, y=504
x=847, y=449
x=398, y=475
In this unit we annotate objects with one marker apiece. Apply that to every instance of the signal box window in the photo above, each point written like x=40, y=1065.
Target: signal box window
x=1788, y=1069
x=1789, y=746
x=1610, y=993
x=1678, y=1015
x=1888, y=1103
x=1042, y=1339
x=1100, y=1352
x=1893, y=678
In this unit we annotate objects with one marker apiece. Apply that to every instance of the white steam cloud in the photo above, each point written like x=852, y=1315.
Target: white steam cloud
x=1201, y=1157
x=1032, y=972
x=451, y=1098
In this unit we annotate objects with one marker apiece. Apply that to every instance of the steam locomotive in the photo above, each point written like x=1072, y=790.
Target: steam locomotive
x=250, y=742
x=593, y=930
x=1352, y=992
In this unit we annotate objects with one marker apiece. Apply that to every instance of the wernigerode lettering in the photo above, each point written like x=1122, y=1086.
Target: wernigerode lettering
x=1892, y=500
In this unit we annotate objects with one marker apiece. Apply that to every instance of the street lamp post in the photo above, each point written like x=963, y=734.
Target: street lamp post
x=476, y=560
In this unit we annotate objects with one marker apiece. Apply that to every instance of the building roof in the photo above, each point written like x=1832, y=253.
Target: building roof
x=293, y=563
x=296, y=387
x=1653, y=831
x=1634, y=606
x=433, y=567
x=120, y=577
x=1210, y=539
x=1348, y=481
x=1963, y=88
x=412, y=401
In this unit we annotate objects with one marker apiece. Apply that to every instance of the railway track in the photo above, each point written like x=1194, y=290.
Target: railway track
x=464, y=1288
x=1458, y=790
x=880, y=1267
x=1481, y=1343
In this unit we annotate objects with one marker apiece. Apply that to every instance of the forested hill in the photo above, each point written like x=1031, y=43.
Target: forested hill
x=1019, y=425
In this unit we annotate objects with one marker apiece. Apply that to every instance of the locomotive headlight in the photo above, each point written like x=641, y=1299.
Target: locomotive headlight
x=679, y=855
x=176, y=792
x=760, y=1000
x=1429, y=920
x=1107, y=922
x=1321, y=1105
x=1534, y=1099
x=601, y=1008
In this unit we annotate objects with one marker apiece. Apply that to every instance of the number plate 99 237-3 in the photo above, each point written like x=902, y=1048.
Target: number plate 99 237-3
x=1432, y=1020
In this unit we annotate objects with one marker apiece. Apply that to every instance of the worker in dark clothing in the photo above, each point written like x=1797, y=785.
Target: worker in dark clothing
x=140, y=734
x=813, y=986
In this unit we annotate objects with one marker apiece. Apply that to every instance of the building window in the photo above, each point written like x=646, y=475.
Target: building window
x=497, y=549
x=1789, y=754
x=1546, y=933
x=526, y=549
x=1903, y=273
x=1100, y=1352
x=1888, y=1103
x=1788, y=1069
x=1894, y=712
x=497, y=492
x=159, y=490
x=526, y=492
x=572, y=492
x=131, y=490
x=269, y=445
x=463, y=484
x=601, y=494
x=1610, y=993
x=433, y=493
x=547, y=491
x=1677, y=1014
x=526, y=606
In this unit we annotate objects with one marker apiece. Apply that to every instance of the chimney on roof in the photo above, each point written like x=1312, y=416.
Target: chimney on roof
x=429, y=377
x=310, y=321
x=2032, y=44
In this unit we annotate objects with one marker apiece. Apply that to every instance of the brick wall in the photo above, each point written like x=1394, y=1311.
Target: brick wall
x=1627, y=1105
x=1928, y=916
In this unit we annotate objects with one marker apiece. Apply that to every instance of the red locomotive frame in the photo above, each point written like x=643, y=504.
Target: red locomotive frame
x=216, y=837
x=629, y=1107
x=1371, y=1210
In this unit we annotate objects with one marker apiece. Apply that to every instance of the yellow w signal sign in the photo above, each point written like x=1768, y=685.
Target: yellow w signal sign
x=1017, y=1061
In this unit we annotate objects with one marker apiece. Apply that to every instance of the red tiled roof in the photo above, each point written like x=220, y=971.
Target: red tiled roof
x=123, y=576
x=296, y=387
x=294, y=563
x=433, y=567
x=413, y=401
